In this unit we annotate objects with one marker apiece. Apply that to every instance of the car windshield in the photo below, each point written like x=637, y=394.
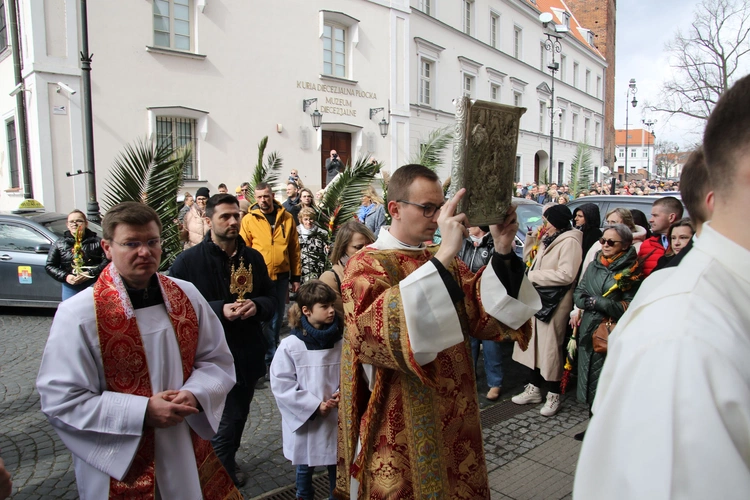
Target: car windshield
x=59, y=226
x=529, y=216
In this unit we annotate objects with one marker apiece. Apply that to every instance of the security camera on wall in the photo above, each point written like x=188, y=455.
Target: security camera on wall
x=66, y=88
x=18, y=88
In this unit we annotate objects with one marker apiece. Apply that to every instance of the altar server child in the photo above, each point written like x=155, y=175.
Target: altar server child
x=305, y=383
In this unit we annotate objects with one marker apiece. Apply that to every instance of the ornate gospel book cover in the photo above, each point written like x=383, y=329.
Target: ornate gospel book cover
x=484, y=158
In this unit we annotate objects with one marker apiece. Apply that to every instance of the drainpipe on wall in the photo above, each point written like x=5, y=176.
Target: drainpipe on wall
x=23, y=136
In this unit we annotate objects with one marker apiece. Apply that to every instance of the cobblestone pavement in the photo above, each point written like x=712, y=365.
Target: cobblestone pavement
x=528, y=456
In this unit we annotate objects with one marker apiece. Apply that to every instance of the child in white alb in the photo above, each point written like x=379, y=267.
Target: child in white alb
x=305, y=383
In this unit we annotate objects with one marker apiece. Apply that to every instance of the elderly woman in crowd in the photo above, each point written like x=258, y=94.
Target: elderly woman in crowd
x=617, y=257
x=554, y=268
x=194, y=226
x=350, y=239
x=76, y=266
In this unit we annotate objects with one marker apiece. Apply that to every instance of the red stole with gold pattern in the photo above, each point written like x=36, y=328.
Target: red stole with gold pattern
x=126, y=371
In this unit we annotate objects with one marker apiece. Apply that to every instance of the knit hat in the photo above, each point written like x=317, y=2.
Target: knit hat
x=203, y=192
x=559, y=216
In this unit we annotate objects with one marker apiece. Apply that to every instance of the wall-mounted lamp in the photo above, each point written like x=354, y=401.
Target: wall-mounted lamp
x=316, y=117
x=383, y=124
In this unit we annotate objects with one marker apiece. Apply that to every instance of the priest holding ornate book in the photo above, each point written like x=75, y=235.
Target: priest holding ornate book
x=409, y=416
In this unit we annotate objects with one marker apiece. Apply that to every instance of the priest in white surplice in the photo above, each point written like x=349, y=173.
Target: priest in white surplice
x=135, y=373
x=672, y=410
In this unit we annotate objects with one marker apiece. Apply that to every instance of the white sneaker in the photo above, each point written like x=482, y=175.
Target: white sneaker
x=530, y=395
x=552, y=406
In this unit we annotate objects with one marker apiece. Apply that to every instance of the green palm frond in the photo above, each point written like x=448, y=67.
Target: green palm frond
x=151, y=173
x=265, y=171
x=343, y=196
x=580, y=170
x=431, y=152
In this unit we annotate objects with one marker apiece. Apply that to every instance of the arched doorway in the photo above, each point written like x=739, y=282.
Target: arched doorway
x=541, y=161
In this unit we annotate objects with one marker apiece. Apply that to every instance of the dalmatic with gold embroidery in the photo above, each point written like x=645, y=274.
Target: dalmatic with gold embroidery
x=419, y=428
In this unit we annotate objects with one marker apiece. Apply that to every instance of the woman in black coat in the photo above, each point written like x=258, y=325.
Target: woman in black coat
x=61, y=257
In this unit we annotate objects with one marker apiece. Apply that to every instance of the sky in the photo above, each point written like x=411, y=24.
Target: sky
x=643, y=29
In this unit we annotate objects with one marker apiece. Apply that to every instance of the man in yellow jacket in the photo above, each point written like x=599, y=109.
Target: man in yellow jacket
x=270, y=229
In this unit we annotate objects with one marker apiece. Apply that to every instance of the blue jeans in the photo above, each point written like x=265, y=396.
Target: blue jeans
x=305, y=488
x=69, y=290
x=271, y=329
x=493, y=360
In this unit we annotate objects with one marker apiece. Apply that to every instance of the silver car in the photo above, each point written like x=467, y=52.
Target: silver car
x=25, y=240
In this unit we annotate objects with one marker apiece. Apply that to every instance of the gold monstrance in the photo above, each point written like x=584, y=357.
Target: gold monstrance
x=242, y=280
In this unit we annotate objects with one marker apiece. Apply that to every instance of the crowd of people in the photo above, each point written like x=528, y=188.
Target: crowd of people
x=148, y=378
x=562, y=194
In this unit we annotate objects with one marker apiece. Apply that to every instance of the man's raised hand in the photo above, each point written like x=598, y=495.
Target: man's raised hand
x=453, y=229
x=503, y=234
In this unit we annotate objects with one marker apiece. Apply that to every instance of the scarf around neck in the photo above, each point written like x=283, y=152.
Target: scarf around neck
x=316, y=339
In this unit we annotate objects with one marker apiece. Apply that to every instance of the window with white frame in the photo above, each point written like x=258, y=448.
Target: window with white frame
x=587, y=81
x=179, y=132
x=494, y=30
x=517, y=99
x=560, y=174
x=561, y=124
x=566, y=19
x=172, y=24
x=632, y=169
x=598, y=87
x=3, y=27
x=425, y=81
x=494, y=92
x=542, y=113
x=597, y=131
x=426, y=6
x=621, y=153
x=542, y=58
x=468, y=85
x=586, y=123
x=633, y=153
x=334, y=50
x=645, y=152
x=574, y=127
x=517, y=42
x=563, y=67
x=12, y=144
x=468, y=15
x=575, y=74
x=517, y=173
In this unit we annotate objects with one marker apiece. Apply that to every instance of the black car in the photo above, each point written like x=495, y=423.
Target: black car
x=25, y=240
x=529, y=217
x=607, y=203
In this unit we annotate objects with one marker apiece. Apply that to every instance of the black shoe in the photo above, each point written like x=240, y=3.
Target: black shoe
x=579, y=436
x=239, y=479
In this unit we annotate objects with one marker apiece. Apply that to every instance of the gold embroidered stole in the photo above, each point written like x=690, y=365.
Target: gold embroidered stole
x=126, y=371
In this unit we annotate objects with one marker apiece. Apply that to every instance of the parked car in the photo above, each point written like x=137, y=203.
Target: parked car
x=529, y=217
x=607, y=203
x=25, y=240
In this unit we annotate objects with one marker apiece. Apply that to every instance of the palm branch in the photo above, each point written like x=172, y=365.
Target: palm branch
x=151, y=173
x=265, y=171
x=343, y=196
x=580, y=170
x=431, y=152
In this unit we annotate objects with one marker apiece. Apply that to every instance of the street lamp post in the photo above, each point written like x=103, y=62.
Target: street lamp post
x=553, y=45
x=632, y=90
x=649, y=127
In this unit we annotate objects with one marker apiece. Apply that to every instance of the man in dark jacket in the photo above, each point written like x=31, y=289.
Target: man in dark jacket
x=208, y=266
x=292, y=203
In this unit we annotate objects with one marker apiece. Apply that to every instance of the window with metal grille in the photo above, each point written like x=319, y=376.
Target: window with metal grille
x=334, y=50
x=179, y=132
x=172, y=24
x=10, y=134
x=3, y=27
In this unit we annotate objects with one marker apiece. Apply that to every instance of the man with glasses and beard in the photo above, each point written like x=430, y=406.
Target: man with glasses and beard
x=409, y=414
x=134, y=374
x=209, y=267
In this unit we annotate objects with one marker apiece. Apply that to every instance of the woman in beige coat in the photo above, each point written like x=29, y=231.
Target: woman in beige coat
x=556, y=263
x=195, y=226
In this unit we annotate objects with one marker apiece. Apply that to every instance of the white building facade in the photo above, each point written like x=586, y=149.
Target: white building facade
x=641, y=153
x=222, y=75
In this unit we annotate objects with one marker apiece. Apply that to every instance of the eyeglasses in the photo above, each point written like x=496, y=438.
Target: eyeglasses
x=136, y=245
x=77, y=222
x=428, y=210
x=611, y=243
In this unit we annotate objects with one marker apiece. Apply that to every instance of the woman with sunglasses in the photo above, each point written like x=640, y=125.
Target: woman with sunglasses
x=61, y=258
x=617, y=255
